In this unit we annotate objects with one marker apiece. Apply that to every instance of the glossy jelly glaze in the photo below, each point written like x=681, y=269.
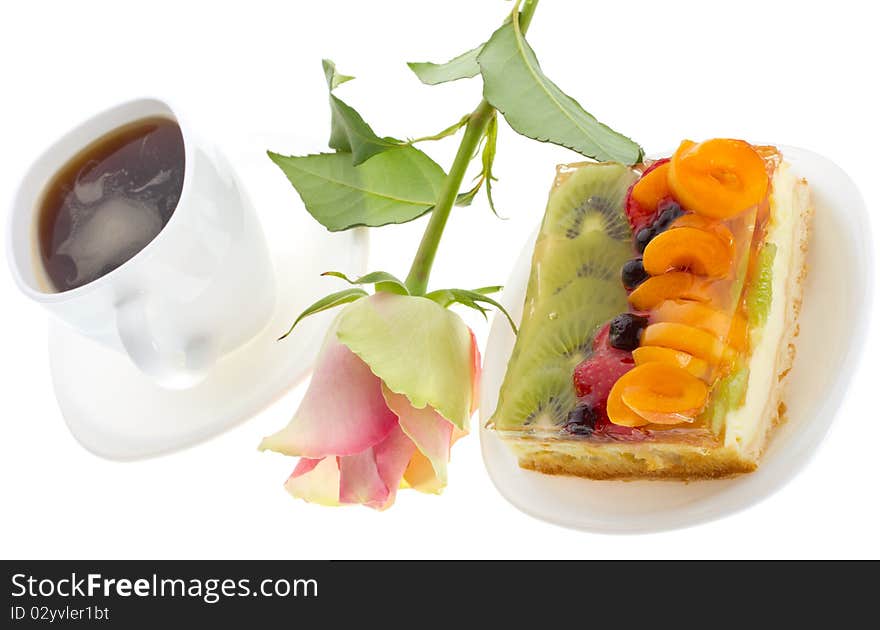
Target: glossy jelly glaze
x=698, y=221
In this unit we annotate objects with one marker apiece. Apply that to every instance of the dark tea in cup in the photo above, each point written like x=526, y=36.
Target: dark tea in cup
x=109, y=201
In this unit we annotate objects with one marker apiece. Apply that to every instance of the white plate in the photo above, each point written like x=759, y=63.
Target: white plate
x=116, y=412
x=837, y=301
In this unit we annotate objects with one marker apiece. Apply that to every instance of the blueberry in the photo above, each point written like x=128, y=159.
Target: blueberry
x=633, y=273
x=643, y=237
x=669, y=204
x=625, y=331
x=669, y=212
x=579, y=429
x=582, y=420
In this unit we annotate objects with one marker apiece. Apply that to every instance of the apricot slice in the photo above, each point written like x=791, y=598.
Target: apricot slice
x=618, y=412
x=662, y=388
x=667, y=394
x=649, y=354
x=697, y=314
x=655, y=391
x=699, y=343
x=688, y=249
x=718, y=178
x=709, y=225
x=669, y=286
x=738, y=334
x=652, y=188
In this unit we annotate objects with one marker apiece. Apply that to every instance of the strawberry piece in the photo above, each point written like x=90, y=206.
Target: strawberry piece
x=600, y=341
x=594, y=377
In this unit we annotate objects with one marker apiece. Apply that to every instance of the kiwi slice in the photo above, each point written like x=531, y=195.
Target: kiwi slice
x=728, y=394
x=573, y=289
x=759, y=293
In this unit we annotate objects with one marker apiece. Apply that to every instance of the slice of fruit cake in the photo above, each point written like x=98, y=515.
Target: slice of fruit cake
x=660, y=316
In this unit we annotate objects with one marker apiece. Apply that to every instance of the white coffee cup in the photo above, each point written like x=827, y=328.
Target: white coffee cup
x=200, y=289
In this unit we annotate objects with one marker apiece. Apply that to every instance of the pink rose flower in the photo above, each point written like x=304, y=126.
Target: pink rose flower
x=394, y=386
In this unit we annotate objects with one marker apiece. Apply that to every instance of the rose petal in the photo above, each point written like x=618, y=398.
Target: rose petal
x=359, y=480
x=431, y=432
x=305, y=466
x=392, y=456
x=417, y=347
x=315, y=481
x=476, y=372
x=343, y=411
x=373, y=477
x=420, y=474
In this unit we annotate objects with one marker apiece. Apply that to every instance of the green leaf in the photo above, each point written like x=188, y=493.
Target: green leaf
x=383, y=280
x=488, y=143
x=462, y=67
x=449, y=131
x=535, y=106
x=334, y=79
x=394, y=187
x=325, y=303
x=471, y=299
x=495, y=288
x=443, y=297
x=488, y=159
x=467, y=198
x=417, y=348
x=349, y=132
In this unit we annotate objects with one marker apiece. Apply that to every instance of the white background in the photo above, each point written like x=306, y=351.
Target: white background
x=794, y=73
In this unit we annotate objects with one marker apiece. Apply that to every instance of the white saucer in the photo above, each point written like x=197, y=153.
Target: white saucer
x=116, y=412
x=837, y=301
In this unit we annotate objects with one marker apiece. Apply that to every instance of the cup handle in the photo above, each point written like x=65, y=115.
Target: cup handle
x=179, y=367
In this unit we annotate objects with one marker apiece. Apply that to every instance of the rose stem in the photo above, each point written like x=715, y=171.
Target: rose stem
x=420, y=271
